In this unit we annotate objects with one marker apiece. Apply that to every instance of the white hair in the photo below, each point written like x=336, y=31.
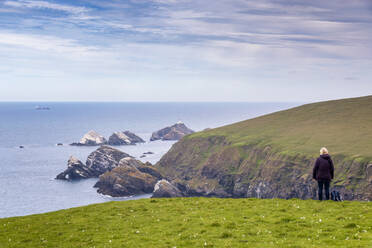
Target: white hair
x=323, y=151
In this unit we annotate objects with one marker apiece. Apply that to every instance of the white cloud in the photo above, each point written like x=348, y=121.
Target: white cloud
x=46, y=5
x=169, y=41
x=46, y=43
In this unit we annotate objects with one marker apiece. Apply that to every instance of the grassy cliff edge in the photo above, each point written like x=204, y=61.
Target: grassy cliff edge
x=273, y=155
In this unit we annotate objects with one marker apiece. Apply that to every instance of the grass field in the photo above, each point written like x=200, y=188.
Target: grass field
x=344, y=126
x=196, y=222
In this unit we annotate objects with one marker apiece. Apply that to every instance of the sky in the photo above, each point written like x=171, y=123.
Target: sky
x=185, y=50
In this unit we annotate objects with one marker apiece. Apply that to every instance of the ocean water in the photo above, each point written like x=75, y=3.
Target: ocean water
x=27, y=184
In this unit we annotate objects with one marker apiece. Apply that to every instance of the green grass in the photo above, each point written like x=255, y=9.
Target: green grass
x=344, y=126
x=196, y=222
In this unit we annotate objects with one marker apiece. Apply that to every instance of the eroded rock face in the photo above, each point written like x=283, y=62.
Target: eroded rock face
x=98, y=162
x=164, y=189
x=124, y=138
x=175, y=132
x=131, y=177
x=75, y=170
x=105, y=159
x=260, y=172
x=92, y=138
x=369, y=173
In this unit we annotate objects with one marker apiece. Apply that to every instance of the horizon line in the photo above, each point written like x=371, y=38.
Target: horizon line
x=151, y=101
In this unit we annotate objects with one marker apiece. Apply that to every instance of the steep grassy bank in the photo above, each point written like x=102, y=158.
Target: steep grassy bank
x=196, y=222
x=273, y=155
x=344, y=126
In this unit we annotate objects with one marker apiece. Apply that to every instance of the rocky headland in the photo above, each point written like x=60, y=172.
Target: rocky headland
x=175, y=132
x=272, y=156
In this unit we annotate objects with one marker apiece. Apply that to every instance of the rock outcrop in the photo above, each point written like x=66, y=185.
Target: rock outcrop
x=131, y=177
x=75, y=170
x=105, y=159
x=98, y=162
x=164, y=189
x=175, y=132
x=119, y=173
x=124, y=138
x=92, y=138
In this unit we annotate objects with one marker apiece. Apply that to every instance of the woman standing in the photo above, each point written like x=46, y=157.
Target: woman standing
x=323, y=172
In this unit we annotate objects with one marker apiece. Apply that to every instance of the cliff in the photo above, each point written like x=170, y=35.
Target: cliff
x=273, y=155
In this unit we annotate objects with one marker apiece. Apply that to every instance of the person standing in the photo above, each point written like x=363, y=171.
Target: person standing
x=323, y=172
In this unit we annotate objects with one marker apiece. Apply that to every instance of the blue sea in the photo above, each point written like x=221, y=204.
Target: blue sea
x=27, y=184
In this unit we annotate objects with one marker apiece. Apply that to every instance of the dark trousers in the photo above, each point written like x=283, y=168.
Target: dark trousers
x=321, y=185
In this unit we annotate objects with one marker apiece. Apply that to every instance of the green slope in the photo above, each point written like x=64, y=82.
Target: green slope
x=196, y=222
x=272, y=156
x=344, y=126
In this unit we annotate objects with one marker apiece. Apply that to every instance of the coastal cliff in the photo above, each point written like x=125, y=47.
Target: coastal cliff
x=273, y=155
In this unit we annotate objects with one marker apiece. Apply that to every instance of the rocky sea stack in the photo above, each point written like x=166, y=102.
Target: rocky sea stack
x=92, y=138
x=119, y=173
x=124, y=138
x=98, y=162
x=175, y=132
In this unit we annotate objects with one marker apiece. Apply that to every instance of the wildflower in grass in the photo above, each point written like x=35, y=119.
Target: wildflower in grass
x=320, y=220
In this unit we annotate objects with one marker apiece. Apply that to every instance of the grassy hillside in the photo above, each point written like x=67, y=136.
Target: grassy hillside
x=196, y=222
x=272, y=156
x=344, y=126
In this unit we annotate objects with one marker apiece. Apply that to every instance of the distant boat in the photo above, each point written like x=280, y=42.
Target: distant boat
x=42, y=108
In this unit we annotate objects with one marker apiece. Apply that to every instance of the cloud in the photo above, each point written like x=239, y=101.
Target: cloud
x=183, y=40
x=46, y=43
x=46, y=5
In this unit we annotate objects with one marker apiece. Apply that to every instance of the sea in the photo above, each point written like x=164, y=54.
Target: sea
x=27, y=184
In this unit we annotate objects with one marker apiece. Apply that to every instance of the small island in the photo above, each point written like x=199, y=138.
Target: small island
x=92, y=138
x=119, y=173
x=175, y=132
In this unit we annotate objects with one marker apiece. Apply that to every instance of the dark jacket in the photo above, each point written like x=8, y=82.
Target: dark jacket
x=323, y=168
